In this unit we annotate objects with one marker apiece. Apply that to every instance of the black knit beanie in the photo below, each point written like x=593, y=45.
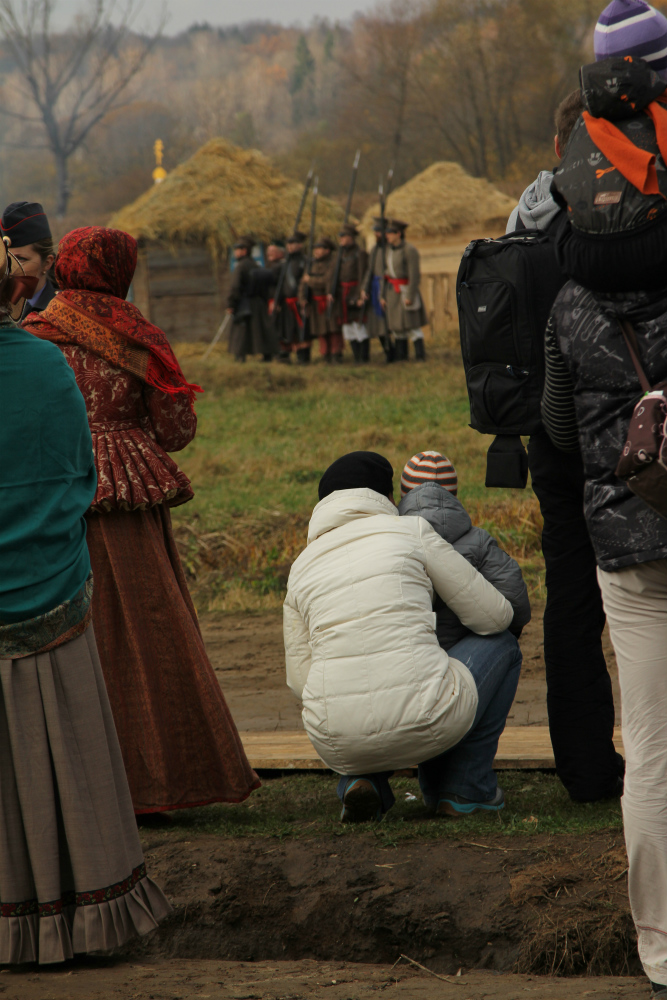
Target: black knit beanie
x=358, y=470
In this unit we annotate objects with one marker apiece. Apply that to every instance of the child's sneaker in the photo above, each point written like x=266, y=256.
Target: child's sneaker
x=457, y=805
x=361, y=802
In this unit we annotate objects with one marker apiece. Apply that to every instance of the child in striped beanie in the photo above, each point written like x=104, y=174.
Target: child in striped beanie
x=428, y=487
x=632, y=28
x=429, y=467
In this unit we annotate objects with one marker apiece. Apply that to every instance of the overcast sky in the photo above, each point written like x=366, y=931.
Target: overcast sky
x=183, y=13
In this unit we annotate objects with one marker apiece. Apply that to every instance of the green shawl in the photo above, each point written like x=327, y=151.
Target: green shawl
x=47, y=478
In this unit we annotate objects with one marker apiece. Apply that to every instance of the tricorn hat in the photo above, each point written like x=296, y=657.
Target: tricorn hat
x=325, y=243
x=244, y=243
x=396, y=226
x=379, y=224
x=349, y=229
x=25, y=222
x=296, y=237
x=277, y=242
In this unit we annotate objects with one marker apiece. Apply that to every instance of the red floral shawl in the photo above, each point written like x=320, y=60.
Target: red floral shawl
x=94, y=269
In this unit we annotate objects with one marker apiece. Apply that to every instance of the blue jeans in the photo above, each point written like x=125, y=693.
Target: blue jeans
x=467, y=768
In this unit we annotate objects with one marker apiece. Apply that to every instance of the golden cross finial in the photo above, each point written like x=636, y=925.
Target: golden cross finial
x=159, y=173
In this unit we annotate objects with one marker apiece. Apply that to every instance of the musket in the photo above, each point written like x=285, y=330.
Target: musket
x=373, y=255
x=311, y=245
x=339, y=255
x=221, y=329
x=383, y=258
x=283, y=270
x=306, y=188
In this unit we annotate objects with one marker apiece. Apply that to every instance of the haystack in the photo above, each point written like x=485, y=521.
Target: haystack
x=443, y=199
x=219, y=194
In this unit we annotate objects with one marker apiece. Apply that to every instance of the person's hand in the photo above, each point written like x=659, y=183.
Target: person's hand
x=306, y=278
x=408, y=303
x=330, y=299
x=230, y=312
x=383, y=303
x=272, y=306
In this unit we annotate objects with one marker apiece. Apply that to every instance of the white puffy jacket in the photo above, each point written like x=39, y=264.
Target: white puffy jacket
x=361, y=651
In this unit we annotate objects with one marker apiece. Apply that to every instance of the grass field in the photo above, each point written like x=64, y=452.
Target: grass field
x=306, y=806
x=266, y=434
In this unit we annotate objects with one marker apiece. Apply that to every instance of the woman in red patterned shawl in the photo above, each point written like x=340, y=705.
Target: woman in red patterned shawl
x=179, y=742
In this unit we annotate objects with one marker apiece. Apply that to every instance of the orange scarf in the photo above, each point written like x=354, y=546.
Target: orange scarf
x=635, y=164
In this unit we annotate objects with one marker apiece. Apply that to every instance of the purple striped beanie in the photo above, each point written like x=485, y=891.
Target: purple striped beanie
x=632, y=28
x=429, y=467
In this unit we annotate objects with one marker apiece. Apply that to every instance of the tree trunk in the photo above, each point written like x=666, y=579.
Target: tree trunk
x=62, y=181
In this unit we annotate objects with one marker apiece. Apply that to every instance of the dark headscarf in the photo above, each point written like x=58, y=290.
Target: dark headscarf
x=358, y=470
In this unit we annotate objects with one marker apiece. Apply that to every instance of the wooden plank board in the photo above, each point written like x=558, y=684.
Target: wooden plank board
x=521, y=747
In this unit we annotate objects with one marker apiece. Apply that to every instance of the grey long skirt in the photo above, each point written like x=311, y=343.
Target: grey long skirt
x=72, y=873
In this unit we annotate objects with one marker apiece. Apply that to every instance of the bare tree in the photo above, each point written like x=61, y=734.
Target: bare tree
x=72, y=79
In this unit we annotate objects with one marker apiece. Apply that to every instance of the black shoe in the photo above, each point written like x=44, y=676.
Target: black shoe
x=267, y=357
x=365, y=350
x=303, y=356
x=356, y=351
x=361, y=802
x=420, y=350
x=401, y=349
x=338, y=358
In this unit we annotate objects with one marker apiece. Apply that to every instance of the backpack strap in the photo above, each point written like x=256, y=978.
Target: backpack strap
x=630, y=338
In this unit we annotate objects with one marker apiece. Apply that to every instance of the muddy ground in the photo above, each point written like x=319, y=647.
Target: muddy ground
x=248, y=657
x=176, y=979
x=544, y=905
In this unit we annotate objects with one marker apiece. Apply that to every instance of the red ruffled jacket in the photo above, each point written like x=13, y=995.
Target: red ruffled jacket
x=133, y=426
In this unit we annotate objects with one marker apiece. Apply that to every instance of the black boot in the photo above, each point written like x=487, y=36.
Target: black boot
x=365, y=350
x=388, y=348
x=284, y=357
x=267, y=357
x=356, y=351
x=338, y=358
x=420, y=350
x=303, y=356
x=401, y=349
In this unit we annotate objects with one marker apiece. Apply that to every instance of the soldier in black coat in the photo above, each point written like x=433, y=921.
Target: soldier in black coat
x=251, y=331
x=26, y=225
x=288, y=319
x=349, y=313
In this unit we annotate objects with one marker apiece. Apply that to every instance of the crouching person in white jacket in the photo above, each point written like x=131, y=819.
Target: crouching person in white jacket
x=378, y=692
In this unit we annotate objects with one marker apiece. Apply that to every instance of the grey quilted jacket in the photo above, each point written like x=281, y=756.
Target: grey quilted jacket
x=448, y=516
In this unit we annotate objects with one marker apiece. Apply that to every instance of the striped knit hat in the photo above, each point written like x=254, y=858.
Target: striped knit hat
x=429, y=467
x=632, y=28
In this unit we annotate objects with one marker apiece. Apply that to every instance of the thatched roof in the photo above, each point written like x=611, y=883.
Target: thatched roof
x=219, y=194
x=443, y=199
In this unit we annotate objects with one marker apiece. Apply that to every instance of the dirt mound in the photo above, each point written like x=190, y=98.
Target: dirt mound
x=543, y=906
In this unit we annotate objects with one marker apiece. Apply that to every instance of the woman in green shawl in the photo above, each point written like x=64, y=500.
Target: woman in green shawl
x=72, y=874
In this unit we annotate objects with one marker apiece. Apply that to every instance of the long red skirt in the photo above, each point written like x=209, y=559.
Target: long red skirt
x=179, y=742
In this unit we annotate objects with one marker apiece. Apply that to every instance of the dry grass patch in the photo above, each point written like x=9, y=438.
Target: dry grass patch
x=267, y=433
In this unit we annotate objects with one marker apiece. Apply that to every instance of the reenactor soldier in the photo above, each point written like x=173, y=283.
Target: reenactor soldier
x=402, y=299
x=275, y=258
x=371, y=296
x=251, y=331
x=349, y=312
x=288, y=320
x=315, y=296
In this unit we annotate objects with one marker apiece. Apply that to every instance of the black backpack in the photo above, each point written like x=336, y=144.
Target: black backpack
x=505, y=290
